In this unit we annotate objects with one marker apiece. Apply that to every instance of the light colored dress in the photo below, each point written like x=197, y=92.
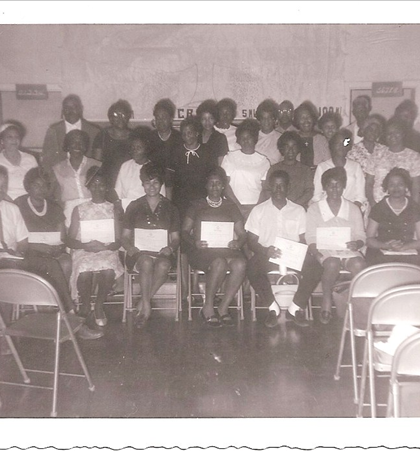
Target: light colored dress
x=85, y=261
x=362, y=156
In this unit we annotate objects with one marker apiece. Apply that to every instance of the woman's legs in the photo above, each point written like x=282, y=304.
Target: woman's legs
x=84, y=287
x=215, y=275
x=355, y=265
x=332, y=267
x=105, y=280
x=145, y=267
x=237, y=267
x=162, y=266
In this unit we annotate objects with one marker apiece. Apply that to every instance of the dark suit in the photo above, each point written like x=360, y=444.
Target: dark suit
x=52, y=150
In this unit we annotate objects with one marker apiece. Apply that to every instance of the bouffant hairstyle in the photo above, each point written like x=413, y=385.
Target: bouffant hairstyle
x=166, y=105
x=288, y=136
x=13, y=125
x=377, y=119
x=227, y=102
x=150, y=171
x=191, y=121
x=330, y=116
x=142, y=133
x=306, y=106
x=342, y=134
x=337, y=173
x=279, y=174
x=397, y=122
x=400, y=172
x=69, y=136
x=250, y=125
x=267, y=106
x=208, y=106
x=220, y=173
x=409, y=105
x=123, y=106
x=363, y=98
x=32, y=175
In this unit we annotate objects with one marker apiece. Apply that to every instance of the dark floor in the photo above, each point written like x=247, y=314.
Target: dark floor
x=187, y=369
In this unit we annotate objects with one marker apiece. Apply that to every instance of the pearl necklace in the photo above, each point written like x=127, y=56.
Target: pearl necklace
x=214, y=204
x=36, y=212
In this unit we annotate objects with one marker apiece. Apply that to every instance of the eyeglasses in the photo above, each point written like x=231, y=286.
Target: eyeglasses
x=286, y=110
x=119, y=114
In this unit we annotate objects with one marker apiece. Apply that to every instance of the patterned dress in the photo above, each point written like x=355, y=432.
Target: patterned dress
x=85, y=261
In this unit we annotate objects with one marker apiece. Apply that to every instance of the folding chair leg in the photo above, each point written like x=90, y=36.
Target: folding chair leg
x=126, y=288
x=56, y=370
x=371, y=378
x=189, y=295
x=253, y=305
x=15, y=354
x=82, y=361
x=341, y=350
x=241, y=301
x=389, y=404
x=396, y=400
x=349, y=316
x=363, y=381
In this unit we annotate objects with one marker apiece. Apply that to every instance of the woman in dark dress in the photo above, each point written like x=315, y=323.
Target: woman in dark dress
x=393, y=223
x=216, y=262
x=152, y=211
x=216, y=141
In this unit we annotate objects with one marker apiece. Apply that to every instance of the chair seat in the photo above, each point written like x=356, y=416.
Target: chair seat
x=43, y=326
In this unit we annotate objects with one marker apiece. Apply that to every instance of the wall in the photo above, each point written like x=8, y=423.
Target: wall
x=190, y=63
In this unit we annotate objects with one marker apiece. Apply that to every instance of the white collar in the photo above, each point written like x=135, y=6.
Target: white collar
x=76, y=126
x=327, y=214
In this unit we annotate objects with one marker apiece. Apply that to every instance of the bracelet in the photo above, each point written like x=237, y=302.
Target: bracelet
x=172, y=250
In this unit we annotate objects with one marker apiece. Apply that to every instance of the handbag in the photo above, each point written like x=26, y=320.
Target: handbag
x=285, y=288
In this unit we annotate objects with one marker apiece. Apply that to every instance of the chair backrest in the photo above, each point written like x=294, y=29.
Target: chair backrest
x=372, y=281
x=23, y=288
x=400, y=305
x=407, y=357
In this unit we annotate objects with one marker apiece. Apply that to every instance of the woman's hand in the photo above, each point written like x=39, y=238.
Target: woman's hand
x=393, y=245
x=234, y=245
x=273, y=252
x=166, y=251
x=132, y=250
x=353, y=245
x=200, y=244
x=94, y=246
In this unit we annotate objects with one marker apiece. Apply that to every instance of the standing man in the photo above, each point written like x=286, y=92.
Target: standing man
x=407, y=111
x=285, y=117
x=279, y=217
x=362, y=106
x=72, y=112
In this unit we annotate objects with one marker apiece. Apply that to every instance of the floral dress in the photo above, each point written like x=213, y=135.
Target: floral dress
x=85, y=261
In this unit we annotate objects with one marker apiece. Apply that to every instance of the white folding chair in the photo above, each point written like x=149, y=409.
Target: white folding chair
x=18, y=287
x=365, y=286
x=405, y=365
x=397, y=306
x=129, y=278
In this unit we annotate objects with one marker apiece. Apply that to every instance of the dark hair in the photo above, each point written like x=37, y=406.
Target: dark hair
x=150, y=171
x=142, y=133
x=343, y=134
x=71, y=134
x=75, y=98
x=279, y=174
x=166, y=105
x=219, y=172
x=121, y=105
x=379, y=119
x=267, y=106
x=14, y=125
x=287, y=136
x=337, y=173
x=191, y=121
x=330, y=116
x=92, y=173
x=227, y=102
x=305, y=106
x=4, y=172
x=32, y=175
x=407, y=104
x=404, y=174
x=208, y=106
x=365, y=98
x=394, y=121
x=286, y=101
x=250, y=125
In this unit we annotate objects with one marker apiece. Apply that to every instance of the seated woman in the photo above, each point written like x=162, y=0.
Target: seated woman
x=340, y=144
x=316, y=145
x=94, y=256
x=329, y=124
x=301, y=180
x=16, y=162
x=226, y=112
x=216, y=142
x=245, y=168
x=266, y=115
x=216, y=262
x=69, y=176
x=394, y=222
x=332, y=212
x=152, y=211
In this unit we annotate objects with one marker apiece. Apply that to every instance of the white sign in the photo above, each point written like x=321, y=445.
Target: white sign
x=150, y=239
x=292, y=253
x=101, y=230
x=47, y=238
x=333, y=238
x=217, y=234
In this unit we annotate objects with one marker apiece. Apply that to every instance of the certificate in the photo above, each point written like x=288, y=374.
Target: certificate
x=292, y=253
x=48, y=238
x=399, y=253
x=150, y=239
x=333, y=238
x=100, y=230
x=217, y=234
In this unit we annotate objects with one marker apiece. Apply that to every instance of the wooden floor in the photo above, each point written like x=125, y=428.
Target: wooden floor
x=187, y=370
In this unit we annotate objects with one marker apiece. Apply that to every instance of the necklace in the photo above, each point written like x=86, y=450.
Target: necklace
x=167, y=138
x=191, y=152
x=214, y=204
x=36, y=212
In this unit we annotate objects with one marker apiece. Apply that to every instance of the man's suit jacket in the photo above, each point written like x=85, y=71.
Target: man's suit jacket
x=52, y=150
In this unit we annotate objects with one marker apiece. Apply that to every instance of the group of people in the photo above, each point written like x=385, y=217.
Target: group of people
x=286, y=174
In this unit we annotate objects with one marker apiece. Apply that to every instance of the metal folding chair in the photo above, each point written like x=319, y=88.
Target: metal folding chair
x=129, y=278
x=405, y=364
x=18, y=287
x=365, y=286
x=400, y=305
x=239, y=296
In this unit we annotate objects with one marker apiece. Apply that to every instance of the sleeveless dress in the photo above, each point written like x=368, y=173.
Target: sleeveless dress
x=85, y=261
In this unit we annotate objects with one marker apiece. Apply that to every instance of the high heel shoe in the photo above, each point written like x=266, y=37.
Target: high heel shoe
x=101, y=321
x=140, y=320
x=212, y=321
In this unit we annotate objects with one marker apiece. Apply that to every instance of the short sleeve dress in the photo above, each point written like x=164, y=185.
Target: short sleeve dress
x=84, y=261
x=199, y=211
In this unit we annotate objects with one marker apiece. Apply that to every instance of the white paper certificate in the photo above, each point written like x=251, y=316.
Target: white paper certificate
x=150, y=239
x=100, y=230
x=217, y=234
x=292, y=253
x=48, y=238
x=333, y=238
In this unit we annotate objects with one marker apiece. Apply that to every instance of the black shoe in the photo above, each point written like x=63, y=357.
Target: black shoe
x=271, y=320
x=299, y=318
x=87, y=334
